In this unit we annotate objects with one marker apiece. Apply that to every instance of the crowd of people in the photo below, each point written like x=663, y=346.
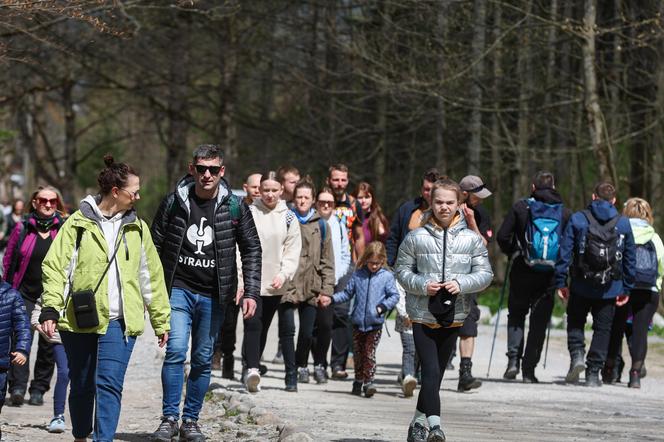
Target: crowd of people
x=84, y=281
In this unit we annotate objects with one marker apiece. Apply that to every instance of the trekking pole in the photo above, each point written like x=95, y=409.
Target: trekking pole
x=500, y=304
x=546, y=348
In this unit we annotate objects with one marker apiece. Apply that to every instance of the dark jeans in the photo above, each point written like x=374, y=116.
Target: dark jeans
x=97, y=367
x=322, y=335
x=434, y=347
x=18, y=375
x=642, y=305
x=228, y=333
x=256, y=330
x=540, y=305
x=342, y=333
x=307, y=315
x=60, y=391
x=3, y=387
x=602, y=311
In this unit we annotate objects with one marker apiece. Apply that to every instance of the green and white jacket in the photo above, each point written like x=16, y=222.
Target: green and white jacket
x=141, y=276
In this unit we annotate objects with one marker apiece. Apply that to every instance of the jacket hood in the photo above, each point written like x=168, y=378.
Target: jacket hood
x=186, y=184
x=643, y=232
x=279, y=208
x=549, y=196
x=602, y=210
x=458, y=224
x=89, y=208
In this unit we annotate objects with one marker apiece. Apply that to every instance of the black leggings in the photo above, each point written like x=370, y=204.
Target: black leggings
x=434, y=345
x=642, y=305
x=322, y=335
x=305, y=335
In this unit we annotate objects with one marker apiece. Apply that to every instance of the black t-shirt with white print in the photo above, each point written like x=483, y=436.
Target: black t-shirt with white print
x=196, y=270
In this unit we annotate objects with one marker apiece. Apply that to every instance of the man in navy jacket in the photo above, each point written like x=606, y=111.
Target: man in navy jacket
x=584, y=296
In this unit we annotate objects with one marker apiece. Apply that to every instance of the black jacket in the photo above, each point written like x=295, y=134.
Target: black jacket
x=14, y=325
x=399, y=227
x=170, y=225
x=513, y=230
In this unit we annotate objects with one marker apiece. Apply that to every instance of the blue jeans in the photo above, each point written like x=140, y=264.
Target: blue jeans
x=198, y=316
x=97, y=367
x=60, y=391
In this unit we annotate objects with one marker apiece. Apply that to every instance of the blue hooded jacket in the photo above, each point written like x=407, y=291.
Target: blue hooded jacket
x=574, y=235
x=370, y=291
x=13, y=319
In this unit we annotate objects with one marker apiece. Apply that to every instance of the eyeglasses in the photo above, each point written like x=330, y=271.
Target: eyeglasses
x=44, y=201
x=214, y=170
x=325, y=203
x=132, y=195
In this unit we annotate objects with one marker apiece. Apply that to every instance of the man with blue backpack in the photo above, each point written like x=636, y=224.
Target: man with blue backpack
x=530, y=235
x=598, y=245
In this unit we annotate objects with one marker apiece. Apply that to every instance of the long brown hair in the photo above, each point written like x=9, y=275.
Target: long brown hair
x=376, y=216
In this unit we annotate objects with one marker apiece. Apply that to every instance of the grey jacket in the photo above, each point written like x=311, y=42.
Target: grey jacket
x=420, y=260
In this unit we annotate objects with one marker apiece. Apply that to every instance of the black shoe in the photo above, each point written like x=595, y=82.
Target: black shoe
x=228, y=368
x=620, y=365
x=36, y=398
x=168, y=429
x=320, y=374
x=576, y=366
x=262, y=369
x=357, y=388
x=190, y=431
x=466, y=379
x=17, y=397
x=369, y=389
x=634, y=379
x=417, y=433
x=436, y=434
x=643, y=372
x=512, y=368
x=592, y=378
x=291, y=381
x=528, y=375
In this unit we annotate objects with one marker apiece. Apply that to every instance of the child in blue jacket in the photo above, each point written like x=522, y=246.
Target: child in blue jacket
x=13, y=322
x=375, y=292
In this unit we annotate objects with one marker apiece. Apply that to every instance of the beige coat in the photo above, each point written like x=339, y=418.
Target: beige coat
x=315, y=273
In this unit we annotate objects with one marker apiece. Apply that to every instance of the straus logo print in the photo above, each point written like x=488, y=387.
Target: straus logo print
x=200, y=236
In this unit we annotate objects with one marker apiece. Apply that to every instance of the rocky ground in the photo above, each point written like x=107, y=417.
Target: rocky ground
x=499, y=410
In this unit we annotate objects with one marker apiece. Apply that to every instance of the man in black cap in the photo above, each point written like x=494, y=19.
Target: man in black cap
x=477, y=219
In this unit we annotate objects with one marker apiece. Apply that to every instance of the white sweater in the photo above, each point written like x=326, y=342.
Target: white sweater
x=281, y=245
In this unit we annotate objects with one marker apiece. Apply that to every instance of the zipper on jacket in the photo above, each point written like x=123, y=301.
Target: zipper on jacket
x=444, y=251
x=366, y=301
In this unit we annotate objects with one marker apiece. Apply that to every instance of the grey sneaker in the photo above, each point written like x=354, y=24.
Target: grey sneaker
x=57, y=424
x=253, y=380
x=408, y=385
x=320, y=375
x=369, y=389
x=303, y=375
x=417, y=433
x=436, y=434
x=167, y=431
x=190, y=431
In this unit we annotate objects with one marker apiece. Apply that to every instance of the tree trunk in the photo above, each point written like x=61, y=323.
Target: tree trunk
x=550, y=80
x=67, y=181
x=440, y=123
x=475, y=126
x=524, y=74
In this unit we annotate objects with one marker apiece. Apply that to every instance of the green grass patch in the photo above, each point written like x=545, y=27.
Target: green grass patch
x=491, y=298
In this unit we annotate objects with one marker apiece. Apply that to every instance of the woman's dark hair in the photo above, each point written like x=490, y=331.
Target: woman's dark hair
x=113, y=175
x=376, y=216
x=270, y=175
x=306, y=183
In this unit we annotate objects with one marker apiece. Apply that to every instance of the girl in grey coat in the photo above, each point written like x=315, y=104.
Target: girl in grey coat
x=441, y=256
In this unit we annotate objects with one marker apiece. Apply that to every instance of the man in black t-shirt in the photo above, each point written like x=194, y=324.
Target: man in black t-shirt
x=477, y=219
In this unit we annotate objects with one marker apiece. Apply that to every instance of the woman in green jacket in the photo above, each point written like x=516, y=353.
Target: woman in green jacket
x=104, y=249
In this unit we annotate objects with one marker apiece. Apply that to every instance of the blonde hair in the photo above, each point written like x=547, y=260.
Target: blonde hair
x=374, y=248
x=638, y=208
x=60, y=207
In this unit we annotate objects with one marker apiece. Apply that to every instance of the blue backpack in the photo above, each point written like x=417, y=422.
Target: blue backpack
x=646, y=266
x=543, y=233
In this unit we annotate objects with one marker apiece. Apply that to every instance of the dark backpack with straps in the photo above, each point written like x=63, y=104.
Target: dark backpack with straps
x=646, y=266
x=599, y=259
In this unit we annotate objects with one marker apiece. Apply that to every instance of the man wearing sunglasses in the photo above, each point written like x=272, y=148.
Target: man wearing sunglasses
x=196, y=231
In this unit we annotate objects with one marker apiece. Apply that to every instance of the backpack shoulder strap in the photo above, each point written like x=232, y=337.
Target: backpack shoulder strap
x=290, y=216
x=322, y=224
x=234, y=207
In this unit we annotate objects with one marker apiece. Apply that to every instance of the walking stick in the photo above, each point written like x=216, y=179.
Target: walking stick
x=500, y=304
x=546, y=348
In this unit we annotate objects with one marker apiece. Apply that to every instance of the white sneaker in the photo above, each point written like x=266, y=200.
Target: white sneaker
x=408, y=385
x=253, y=380
x=57, y=424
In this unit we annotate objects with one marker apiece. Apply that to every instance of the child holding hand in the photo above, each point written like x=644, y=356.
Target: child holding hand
x=375, y=292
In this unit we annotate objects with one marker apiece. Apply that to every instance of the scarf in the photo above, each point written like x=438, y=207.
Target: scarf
x=304, y=219
x=44, y=224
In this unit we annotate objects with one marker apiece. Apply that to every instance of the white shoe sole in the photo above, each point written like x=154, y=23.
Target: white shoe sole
x=252, y=382
x=409, y=386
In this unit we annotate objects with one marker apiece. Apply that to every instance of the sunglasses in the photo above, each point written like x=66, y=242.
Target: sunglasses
x=214, y=170
x=325, y=203
x=44, y=201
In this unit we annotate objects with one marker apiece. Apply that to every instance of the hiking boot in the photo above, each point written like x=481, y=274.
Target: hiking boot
x=466, y=379
x=408, y=385
x=303, y=375
x=576, y=366
x=320, y=375
x=528, y=376
x=417, y=433
x=291, y=382
x=36, y=398
x=16, y=398
x=436, y=434
x=634, y=379
x=228, y=367
x=57, y=424
x=592, y=377
x=167, y=431
x=339, y=373
x=512, y=368
x=190, y=431
x=253, y=380
x=369, y=389
x=216, y=360
x=357, y=388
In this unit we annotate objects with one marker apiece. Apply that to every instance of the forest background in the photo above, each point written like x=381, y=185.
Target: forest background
x=495, y=88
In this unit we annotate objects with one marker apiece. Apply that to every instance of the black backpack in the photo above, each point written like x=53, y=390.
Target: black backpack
x=646, y=266
x=599, y=259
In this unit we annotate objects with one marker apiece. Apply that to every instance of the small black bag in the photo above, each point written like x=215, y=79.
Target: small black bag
x=441, y=306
